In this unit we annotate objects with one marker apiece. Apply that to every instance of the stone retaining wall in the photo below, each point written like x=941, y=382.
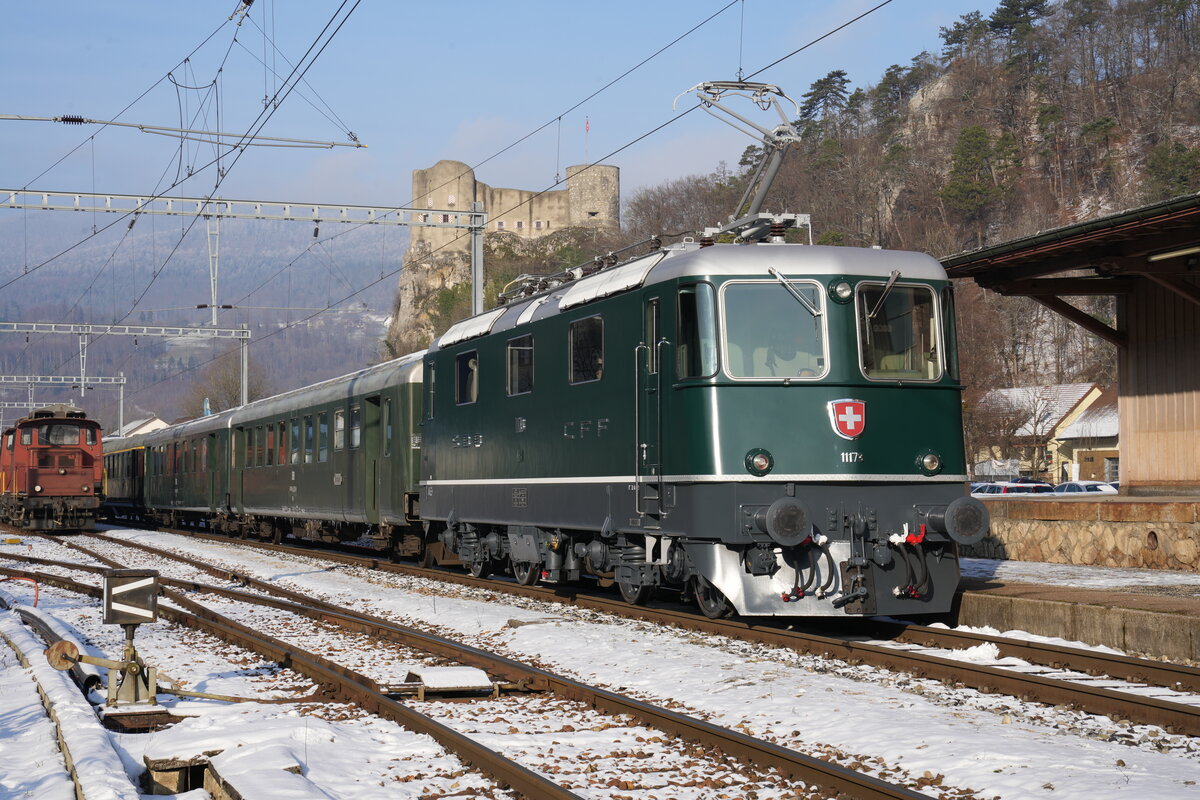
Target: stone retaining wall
x=1116, y=532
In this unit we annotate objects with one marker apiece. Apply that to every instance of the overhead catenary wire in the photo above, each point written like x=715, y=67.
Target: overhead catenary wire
x=288, y=326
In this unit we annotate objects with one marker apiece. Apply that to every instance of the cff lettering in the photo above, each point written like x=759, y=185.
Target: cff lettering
x=585, y=429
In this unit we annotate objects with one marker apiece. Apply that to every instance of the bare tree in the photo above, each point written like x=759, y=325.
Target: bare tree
x=220, y=383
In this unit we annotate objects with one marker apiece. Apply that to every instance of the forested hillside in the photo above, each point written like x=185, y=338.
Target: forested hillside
x=1033, y=115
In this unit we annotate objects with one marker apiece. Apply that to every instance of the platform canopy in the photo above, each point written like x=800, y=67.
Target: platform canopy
x=1149, y=258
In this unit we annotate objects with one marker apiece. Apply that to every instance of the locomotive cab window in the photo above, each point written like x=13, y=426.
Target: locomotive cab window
x=587, y=350
x=466, y=377
x=520, y=365
x=696, y=356
x=91, y=435
x=771, y=332
x=58, y=434
x=26, y=436
x=898, y=332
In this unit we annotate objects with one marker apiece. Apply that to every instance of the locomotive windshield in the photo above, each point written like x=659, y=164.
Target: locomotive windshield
x=55, y=434
x=769, y=333
x=897, y=332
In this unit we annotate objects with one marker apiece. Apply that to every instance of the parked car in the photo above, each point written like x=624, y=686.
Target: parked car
x=1015, y=487
x=1084, y=487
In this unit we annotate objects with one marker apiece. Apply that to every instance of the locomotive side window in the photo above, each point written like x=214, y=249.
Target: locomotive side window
x=696, y=356
x=587, y=350
x=950, y=332
x=466, y=377
x=355, y=426
x=430, y=387
x=652, y=336
x=323, y=436
x=520, y=365
x=770, y=334
x=339, y=429
x=897, y=331
x=26, y=436
x=91, y=435
x=387, y=427
x=8, y=441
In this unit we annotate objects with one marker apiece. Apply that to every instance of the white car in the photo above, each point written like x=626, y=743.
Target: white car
x=1084, y=487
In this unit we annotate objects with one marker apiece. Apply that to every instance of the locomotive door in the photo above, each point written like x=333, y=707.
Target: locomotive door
x=371, y=451
x=648, y=411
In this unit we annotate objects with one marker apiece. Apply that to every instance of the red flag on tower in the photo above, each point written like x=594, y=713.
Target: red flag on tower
x=587, y=125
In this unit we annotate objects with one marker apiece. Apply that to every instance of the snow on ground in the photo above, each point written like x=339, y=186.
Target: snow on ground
x=1080, y=577
x=897, y=725
x=31, y=765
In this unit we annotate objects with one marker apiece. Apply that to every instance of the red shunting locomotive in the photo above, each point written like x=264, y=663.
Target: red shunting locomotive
x=51, y=471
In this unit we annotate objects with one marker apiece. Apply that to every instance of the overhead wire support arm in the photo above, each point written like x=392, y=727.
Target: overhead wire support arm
x=34, y=199
x=208, y=137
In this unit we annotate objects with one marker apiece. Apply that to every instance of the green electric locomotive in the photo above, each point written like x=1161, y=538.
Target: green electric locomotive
x=770, y=428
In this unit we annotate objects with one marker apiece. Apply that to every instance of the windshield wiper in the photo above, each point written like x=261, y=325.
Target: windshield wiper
x=804, y=301
x=887, y=289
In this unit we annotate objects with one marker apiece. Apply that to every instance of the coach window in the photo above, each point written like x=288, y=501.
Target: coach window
x=696, y=356
x=587, y=350
x=260, y=441
x=308, y=439
x=387, y=427
x=323, y=436
x=271, y=445
x=339, y=429
x=248, y=435
x=295, y=441
x=282, y=426
x=520, y=365
x=466, y=377
x=355, y=426
x=204, y=455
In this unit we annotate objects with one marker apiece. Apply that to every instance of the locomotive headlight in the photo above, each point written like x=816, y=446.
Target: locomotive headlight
x=841, y=291
x=85, y=489
x=37, y=487
x=759, y=462
x=930, y=463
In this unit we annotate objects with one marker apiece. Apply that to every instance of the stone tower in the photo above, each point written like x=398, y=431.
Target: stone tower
x=438, y=258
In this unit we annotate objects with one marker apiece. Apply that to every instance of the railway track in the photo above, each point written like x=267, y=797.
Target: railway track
x=1070, y=677
x=705, y=740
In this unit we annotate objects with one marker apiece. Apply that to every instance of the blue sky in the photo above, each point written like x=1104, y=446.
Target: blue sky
x=418, y=82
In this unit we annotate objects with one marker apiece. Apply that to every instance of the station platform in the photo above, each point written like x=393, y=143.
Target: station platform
x=1148, y=612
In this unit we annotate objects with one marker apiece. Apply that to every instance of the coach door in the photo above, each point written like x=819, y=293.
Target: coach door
x=237, y=458
x=648, y=413
x=371, y=451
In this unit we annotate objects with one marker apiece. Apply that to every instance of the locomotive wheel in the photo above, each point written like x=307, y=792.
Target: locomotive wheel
x=713, y=604
x=635, y=595
x=480, y=569
x=526, y=573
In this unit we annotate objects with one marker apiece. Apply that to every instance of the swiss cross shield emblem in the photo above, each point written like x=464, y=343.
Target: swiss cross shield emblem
x=848, y=417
